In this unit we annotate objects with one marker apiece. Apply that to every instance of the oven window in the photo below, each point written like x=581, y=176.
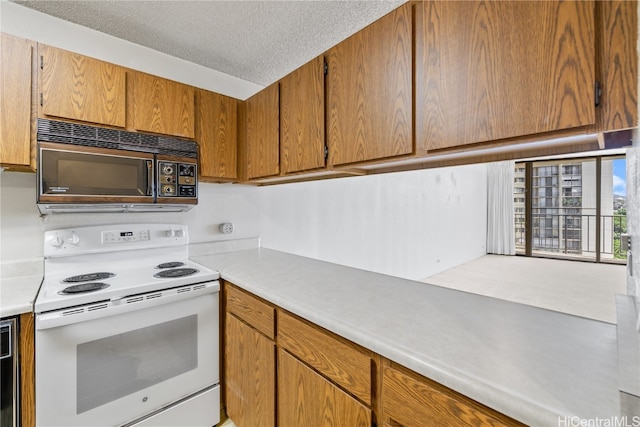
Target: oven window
x=116, y=366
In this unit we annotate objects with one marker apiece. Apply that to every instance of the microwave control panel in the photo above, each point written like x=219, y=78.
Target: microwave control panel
x=176, y=179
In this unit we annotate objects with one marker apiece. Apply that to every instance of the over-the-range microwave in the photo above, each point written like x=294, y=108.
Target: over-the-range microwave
x=92, y=169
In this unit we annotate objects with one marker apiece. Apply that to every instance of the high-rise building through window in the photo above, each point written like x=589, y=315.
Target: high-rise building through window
x=567, y=216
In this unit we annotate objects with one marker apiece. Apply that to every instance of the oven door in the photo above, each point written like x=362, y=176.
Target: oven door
x=71, y=173
x=108, y=370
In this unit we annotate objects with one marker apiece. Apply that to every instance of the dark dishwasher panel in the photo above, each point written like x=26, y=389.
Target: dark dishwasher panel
x=9, y=374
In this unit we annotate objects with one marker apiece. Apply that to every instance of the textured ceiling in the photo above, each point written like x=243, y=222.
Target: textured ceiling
x=257, y=41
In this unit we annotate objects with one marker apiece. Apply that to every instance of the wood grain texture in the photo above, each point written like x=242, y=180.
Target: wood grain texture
x=302, y=118
x=27, y=370
x=15, y=101
x=413, y=401
x=307, y=399
x=491, y=70
x=262, y=137
x=342, y=363
x=250, y=309
x=162, y=106
x=617, y=63
x=81, y=88
x=369, y=92
x=217, y=135
x=249, y=375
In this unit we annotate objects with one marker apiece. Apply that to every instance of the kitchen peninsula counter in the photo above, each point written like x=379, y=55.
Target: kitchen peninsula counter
x=534, y=365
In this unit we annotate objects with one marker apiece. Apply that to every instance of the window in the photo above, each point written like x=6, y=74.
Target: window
x=578, y=208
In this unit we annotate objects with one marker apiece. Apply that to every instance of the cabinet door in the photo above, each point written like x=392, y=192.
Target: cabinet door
x=15, y=102
x=369, y=92
x=302, y=118
x=162, y=106
x=27, y=370
x=81, y=88
x=411, y=402
x=217, y=135
x=261, y=133
x=617, y=64
x=249, y=375
x=307, y=399
x=500, y=69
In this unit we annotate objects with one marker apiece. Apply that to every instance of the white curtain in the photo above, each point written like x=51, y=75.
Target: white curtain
x=500, y=227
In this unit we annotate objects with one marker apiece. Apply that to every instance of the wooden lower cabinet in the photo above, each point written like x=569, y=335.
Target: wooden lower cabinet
x=27, y=370
x=338, y=360
x=249, y=375
x=285, y=371
x=305, y=398
x=410, y=400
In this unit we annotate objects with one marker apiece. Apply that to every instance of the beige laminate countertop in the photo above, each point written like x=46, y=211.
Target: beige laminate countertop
x=534, y=365
x=19, y=284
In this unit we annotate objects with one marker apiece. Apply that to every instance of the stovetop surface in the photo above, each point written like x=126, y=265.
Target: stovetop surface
x=133, y=263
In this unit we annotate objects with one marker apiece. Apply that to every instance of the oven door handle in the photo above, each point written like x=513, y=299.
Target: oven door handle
x=53, y=319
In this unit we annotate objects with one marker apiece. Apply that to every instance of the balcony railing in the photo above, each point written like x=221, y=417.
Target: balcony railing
x=573, y=235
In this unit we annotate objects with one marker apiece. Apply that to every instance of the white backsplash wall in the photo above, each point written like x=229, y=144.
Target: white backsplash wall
x=407, y=224
x=22, y=227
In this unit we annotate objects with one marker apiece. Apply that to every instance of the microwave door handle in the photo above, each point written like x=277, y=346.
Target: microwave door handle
x=149, y=177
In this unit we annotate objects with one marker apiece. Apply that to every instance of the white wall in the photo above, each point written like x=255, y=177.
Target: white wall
x=407, y=224
x=22, y=227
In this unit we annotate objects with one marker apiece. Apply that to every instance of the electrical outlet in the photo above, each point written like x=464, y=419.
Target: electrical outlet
x=226, y=228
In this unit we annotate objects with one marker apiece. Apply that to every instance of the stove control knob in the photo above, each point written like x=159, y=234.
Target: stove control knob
x=56, y=241
x=73, y=239
x=170, y=232
x=179, y=232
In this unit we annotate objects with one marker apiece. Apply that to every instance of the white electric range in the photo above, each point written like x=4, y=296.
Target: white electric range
x=126, y=329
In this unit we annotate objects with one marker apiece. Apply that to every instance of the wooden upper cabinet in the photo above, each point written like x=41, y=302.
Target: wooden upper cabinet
x=15, y=103
x=161, y=106
x=302, y=144
x=491, y=70
x=617, y=64
x=77, y=87
x=217, y=135
x=369, y=92
x=261, y=134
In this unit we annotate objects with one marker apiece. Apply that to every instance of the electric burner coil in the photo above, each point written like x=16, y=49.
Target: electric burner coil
x=88, y=277
x=175, y=272
x=84, y=287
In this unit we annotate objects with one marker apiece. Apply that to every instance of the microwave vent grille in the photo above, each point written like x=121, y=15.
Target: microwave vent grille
x=92, y=136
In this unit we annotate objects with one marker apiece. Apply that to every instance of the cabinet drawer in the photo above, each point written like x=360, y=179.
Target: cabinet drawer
x=250, y=309
x=410, y=401
x=341, y=362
